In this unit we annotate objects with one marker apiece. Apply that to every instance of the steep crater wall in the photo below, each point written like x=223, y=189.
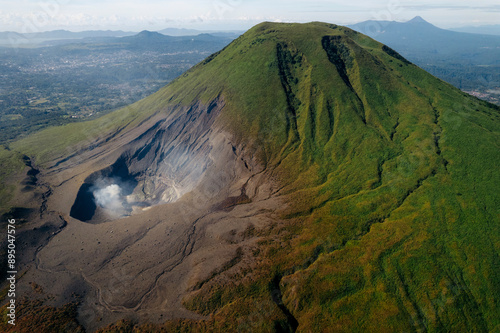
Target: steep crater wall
x=158, y=166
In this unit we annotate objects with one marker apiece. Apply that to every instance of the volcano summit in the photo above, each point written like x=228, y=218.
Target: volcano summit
x=305, y=178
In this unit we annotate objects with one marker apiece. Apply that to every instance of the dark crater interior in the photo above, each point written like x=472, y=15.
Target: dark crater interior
x=86, y=207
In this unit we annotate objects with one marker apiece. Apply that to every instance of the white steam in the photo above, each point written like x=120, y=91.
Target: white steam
x=111, y=198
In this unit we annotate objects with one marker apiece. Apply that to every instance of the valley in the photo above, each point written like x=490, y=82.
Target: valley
x=82, y=80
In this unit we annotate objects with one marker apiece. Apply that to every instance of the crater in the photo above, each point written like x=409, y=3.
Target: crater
x=159, y=166
x=105, y=195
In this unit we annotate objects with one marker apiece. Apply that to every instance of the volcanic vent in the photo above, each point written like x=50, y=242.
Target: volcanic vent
x=159, y=166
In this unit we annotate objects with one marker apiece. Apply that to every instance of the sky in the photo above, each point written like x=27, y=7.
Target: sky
x=78, y=15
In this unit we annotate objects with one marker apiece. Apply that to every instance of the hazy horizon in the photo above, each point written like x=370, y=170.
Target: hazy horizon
x=27, y=16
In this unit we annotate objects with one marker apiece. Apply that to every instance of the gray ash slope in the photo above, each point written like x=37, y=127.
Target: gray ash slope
x=139, y=256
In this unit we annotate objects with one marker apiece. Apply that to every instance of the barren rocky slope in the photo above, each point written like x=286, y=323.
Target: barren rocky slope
x=139, y=256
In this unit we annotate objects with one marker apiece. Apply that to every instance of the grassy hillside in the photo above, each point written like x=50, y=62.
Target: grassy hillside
x=11, y=167
x=394, y=214
x=390, y=175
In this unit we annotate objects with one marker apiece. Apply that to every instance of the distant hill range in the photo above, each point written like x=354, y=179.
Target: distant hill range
x=13, y=39
x=466, y=60
x=418, y=39
x=150, y=41
x=492, y=29
x=193, y=32
x=58, y=37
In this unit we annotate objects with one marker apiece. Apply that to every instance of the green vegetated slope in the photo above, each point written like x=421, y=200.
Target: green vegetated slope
x=11, y=163
x=391, y=177
x=389, y=171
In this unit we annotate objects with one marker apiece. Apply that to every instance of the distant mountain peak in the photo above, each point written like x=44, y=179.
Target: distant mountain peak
x=148, y=33
x=417, y=19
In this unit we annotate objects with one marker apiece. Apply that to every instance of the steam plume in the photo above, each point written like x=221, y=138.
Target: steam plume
x=110, y=197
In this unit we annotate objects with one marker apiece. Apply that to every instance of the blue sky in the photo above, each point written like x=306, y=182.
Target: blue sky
x=76, y=15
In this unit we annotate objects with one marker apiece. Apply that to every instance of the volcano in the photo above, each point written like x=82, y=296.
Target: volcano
x=304, y=178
